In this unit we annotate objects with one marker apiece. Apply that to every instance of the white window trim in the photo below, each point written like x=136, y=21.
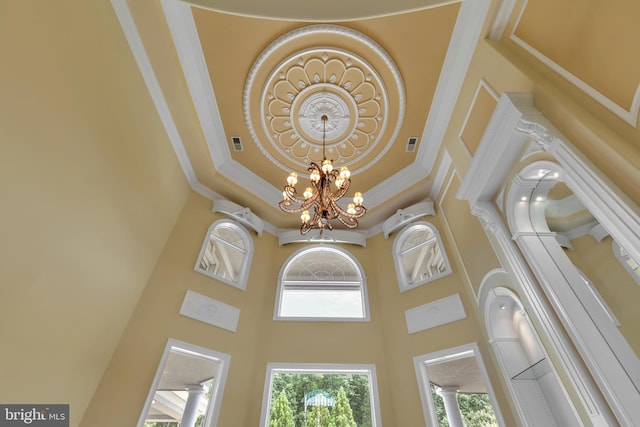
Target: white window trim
x=466, y=350
x=213, y=408
x=321, y=368
x=243, y=274
x=397, y=243
x=363, y=292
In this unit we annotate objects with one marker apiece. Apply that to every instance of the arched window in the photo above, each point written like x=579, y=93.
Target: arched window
x=419, y=256
x=321, y=282
x=226, y=253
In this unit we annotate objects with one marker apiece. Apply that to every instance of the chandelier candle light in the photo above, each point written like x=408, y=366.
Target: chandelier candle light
x=321, y=195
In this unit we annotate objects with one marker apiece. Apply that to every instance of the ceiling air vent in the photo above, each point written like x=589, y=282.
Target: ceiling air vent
x=237, y=143
x=411, y=144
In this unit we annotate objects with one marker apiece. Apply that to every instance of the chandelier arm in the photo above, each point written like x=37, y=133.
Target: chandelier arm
x=306, y=226
x=302, y=205
x=314, y=166
x=359, y=211
x=340, y=192
x=294, y=203
x=291, y=195
x=348, y=222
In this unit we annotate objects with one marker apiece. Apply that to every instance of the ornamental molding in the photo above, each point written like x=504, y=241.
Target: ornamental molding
x=406, y=216
x=313, y=82
x=535, y=131
x=486, y=216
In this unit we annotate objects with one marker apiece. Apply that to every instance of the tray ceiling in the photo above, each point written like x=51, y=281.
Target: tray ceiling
x=265, y=83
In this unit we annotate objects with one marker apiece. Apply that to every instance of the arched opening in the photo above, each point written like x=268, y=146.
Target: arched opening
x=536, y=389
x=549, y=211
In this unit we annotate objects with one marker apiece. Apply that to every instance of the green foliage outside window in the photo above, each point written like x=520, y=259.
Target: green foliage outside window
x=281, y=414
x=476, y=409
x=350, y=394
x=342, y=415
x=319, y=416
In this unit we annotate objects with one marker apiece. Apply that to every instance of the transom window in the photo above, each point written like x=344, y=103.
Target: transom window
x=419, y=256
x=226, y=253
x=321, y=282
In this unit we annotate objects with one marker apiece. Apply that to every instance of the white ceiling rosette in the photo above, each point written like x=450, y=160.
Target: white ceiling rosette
x=291, y=86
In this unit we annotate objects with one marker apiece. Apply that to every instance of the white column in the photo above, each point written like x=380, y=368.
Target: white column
x=449, y=396
x=190, y=413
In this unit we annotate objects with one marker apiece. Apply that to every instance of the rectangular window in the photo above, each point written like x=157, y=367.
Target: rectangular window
x=457, y=373
x=315, y=394
x=186, y=374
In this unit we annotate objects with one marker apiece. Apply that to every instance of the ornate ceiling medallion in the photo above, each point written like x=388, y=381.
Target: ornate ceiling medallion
x=291, y=88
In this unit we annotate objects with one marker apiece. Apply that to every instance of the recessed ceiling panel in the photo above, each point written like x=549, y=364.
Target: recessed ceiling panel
x=374, y=79
x=290, y=90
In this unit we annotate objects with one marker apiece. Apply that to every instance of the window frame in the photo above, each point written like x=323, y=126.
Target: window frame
x=397, y=256
x=243, y=273
x=421, y=362
x=302, y=252
x=215, y=398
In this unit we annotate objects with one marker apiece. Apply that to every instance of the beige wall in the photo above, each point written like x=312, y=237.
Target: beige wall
x=469, y=237
x=614, y=283
x=88, y=197
x=91, y=190
x=384, y=341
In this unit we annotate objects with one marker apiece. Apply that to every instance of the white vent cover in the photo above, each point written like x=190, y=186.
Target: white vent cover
x=411, y=144
x=237, y=143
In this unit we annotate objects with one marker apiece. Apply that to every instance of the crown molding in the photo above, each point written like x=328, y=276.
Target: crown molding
x=464, y=39
x=331, y=236
x=136, y=45
x=465, y=36
x=185, y=37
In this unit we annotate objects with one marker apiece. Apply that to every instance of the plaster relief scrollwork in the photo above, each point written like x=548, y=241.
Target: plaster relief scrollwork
x=436, y=313
x=210, y=311
x=486, y=217
x=536, y=131
x=407, y=215
x=241, y=214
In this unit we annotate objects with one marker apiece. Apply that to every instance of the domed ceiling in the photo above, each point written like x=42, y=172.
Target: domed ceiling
x=243, y=94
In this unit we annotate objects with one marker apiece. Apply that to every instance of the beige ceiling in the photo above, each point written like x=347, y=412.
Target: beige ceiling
x=230, y=63
x=385, y=70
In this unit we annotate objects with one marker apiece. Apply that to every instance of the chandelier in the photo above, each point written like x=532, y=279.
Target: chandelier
x=328, y=185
